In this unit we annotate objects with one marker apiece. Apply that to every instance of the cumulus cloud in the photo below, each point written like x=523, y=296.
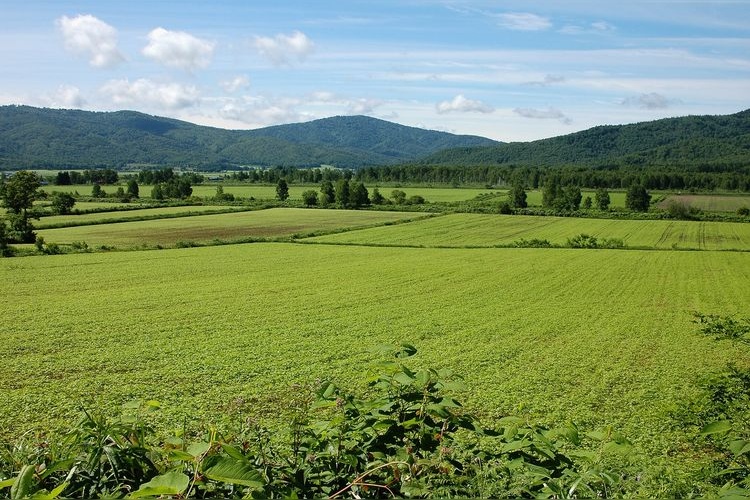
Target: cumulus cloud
x=91, y=37
x=170, y=96
x=463, y=105
x=178, y=49
x=259, y=111
x=358, y=106
x=543, y=114
x=647, y=101
x=283, y=49
x=68, y=96
x=236, y=83
x=524, y=21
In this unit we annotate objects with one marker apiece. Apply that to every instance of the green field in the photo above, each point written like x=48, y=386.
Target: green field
x=272, y=223
x=598, y=337
x=711, y=203
x=616, y=198
x=119, y=215
x=462, y=230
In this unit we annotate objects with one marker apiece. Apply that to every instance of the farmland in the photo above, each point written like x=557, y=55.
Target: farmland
x=273, y=223
x=463, y=230
x=599, y=337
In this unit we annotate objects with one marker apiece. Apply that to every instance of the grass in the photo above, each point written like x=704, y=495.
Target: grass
x=235, y=226
x=461, y=230
x=119, y=216
x=711, y=203
x=598, y=337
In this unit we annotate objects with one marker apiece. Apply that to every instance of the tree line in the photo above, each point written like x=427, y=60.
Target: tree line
x=613, y=177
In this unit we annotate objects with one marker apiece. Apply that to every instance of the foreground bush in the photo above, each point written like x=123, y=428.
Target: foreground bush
x=409, y=437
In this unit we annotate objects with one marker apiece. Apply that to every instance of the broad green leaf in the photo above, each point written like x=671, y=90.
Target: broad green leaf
x=21, y=486
x=232, y=451
x=52, y=494
x=403, y=378
x=233, y=471
x=7, y=482
x=198, y=449
x=181, y=455
x=717, y=427
x=739, y=447
x=171, y=483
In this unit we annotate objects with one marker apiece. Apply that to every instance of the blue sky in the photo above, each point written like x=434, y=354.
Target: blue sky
x=509, y=70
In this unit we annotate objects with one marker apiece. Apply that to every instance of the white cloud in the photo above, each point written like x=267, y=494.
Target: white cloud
x=647, y=101
x=68, y=96
x=144, y=92
x=236, y=83
x=282, y=49
x=89, y=36
x=547, y=81
x=359, y=106
x=259, y=111
x=595, y=28
x=524, y=21
x=178, y=49
x=463, y=105
x=543, y=114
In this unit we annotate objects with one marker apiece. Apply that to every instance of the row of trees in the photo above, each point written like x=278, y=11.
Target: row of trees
x=569, y=198
x=611, y=177
x=98, y=176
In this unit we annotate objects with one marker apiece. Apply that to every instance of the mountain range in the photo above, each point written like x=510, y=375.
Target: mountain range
x=57, y=138
x=71, y=139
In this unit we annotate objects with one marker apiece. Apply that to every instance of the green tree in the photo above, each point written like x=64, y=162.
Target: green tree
x=587, y=203
x=637, y=198
x=157, y=192
x=517, y=196
x=327, y=193
x=18, y=194
x=358, y=195
x=62, y=203
x=570, y=199
x=551, y=192
x=601, y=197
x=282, y=190
x=377, y=198
x=97, y=191
x=132, y=188
x=310, y=197
x=343, y=195
x=398, y=196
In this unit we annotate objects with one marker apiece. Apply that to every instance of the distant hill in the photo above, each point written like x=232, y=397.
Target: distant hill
x=54, y=138
x=692, y=141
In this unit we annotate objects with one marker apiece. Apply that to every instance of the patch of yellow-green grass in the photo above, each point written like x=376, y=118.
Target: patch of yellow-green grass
x=123, y=215
x=226, y=227
x=466, y=230
x=712, y=203
x=601, y=338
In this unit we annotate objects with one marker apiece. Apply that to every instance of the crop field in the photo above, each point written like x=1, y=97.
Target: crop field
x=712, y=203
x=467, y=230
x=268, y=192
x=106, y=217
x=616, y=198
x=271, y=223
x=598, y=337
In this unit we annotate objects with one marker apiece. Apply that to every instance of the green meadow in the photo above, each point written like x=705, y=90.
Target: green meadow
x=465, y=230
x=597, y=337
x=227, y=227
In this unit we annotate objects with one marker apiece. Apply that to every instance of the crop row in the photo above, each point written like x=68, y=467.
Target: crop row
x=466, y=230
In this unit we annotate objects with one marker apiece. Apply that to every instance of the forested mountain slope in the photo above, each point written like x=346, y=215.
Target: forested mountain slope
x=37, y=138
x=692, y=141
